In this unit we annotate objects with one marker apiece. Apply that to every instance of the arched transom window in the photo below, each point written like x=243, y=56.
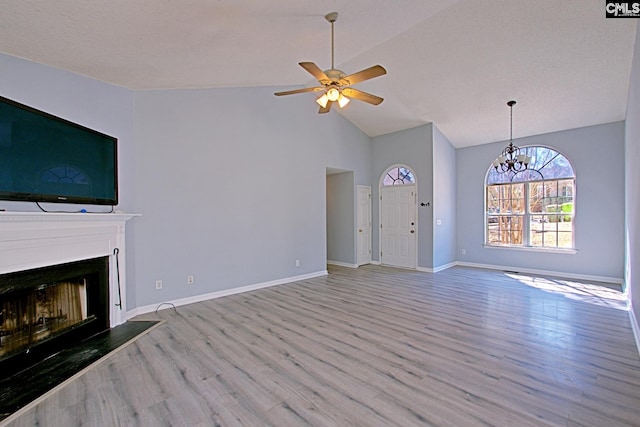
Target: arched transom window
x=533, y=208
x=398, y=175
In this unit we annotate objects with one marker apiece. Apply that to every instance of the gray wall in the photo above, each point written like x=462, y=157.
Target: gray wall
x=444, y=200
x=632, y=154
x=599, y=218
x=414, y=148
x=231, y=184
x=341, y=218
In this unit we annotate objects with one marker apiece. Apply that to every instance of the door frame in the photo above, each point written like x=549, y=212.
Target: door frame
x=380, y=240
x=369, y=231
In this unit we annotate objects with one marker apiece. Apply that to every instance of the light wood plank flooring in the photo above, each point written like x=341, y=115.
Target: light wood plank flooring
x=372, y=346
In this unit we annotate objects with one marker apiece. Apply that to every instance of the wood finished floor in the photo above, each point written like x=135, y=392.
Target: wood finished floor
x=372, y=346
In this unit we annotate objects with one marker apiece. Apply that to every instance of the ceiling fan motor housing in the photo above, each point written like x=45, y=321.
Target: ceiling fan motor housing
x=335, y=75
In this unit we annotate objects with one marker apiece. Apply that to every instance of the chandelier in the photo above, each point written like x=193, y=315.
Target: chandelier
x=511, y=159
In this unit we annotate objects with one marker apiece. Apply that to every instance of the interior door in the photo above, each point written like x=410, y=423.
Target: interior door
x=363, y=214
x=398, y=226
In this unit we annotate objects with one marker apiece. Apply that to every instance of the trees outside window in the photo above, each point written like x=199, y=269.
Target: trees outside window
x=533, y=208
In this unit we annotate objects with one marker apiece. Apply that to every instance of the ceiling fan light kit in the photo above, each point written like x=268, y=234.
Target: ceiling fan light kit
x=335, y=83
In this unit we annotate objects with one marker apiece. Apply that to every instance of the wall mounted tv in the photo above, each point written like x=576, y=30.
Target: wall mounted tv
x=44, y=158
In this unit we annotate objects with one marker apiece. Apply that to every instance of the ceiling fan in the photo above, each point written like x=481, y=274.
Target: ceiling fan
x=336, y=85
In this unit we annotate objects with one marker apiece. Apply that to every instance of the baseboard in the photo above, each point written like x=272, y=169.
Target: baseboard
x=373, y=262
x=615, y=280
x=444, y=267
x=342, y=264
x=219, y=294
x=634, y=326
x=436, y=269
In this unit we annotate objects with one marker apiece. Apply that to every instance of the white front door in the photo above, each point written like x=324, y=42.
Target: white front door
x=363, y=214
x=398, y=226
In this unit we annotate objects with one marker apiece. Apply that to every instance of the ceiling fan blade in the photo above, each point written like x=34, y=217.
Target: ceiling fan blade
x=360, y=76
x=362, y=96
x=291, y=92
x=325, y=109
x=316, y=72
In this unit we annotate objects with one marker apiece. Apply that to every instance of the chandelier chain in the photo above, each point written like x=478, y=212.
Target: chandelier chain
x=511, y=160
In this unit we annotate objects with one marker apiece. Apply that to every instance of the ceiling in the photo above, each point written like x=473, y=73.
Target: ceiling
x=451, y=62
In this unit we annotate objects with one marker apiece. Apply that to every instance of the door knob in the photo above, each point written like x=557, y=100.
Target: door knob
x=413, y=231
x=359, y=230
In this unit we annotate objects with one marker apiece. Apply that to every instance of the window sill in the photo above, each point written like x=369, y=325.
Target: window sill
x=567, y=251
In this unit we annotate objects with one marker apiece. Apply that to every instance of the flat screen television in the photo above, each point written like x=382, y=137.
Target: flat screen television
x=44, y=158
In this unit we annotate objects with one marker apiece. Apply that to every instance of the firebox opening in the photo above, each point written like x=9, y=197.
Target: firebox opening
x=44, y=310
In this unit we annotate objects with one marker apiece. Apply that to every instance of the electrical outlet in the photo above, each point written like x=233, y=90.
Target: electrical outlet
x=190, y=279
x=464, y=252
x=158, y=284
x=297, y=263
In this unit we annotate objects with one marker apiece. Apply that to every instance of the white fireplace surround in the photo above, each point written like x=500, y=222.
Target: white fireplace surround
x=38, y=239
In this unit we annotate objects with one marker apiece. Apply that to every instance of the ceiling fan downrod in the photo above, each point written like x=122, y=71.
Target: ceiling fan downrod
x=332, y=17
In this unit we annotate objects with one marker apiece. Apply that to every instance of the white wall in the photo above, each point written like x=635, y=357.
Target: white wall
x=599, y=203
x=231, y=186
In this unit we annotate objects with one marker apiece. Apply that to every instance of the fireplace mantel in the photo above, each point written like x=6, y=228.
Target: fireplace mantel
x=39, y=239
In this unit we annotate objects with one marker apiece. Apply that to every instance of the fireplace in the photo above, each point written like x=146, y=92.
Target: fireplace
x=62, y=277
x=43, y=310
x=83, y=256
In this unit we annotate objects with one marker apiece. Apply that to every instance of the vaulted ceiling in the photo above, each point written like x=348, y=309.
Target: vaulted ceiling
x=451, y=62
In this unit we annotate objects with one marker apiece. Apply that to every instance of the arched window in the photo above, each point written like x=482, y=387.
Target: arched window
x=398, y=175
x=534, y=208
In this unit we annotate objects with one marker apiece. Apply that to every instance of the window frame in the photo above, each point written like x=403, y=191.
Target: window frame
x=527, y=214
x=409, y=176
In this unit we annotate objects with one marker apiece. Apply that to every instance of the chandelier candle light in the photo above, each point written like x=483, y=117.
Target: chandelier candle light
x=511, y=160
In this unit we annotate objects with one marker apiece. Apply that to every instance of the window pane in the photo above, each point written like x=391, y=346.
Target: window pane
x=536, y=197
x=493, y=230
x=546, y=163
x=565, y=195
x=506, y=198
x=505, y=230
x=565, y=240
x=517, y=198
x=550, y=238
x=493, y=199
x=551, y=231
x=549, y=163
x=398, y=176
